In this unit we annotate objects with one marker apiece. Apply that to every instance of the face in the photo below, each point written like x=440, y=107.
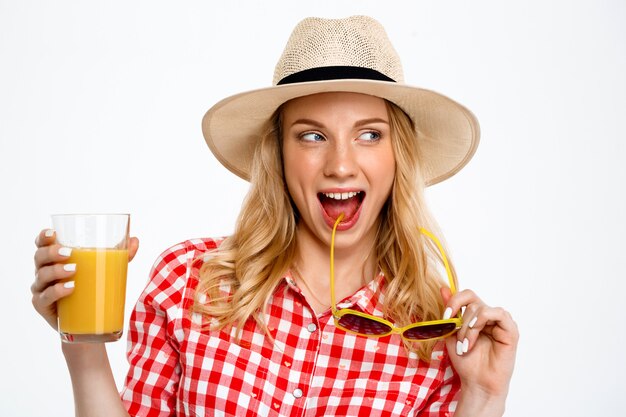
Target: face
x=338, y=158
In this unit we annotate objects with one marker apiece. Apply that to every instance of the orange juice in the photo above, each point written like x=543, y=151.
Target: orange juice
x=96, y=306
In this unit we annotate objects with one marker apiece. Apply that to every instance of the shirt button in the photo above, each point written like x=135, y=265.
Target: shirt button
x=311, y=327
x=297, y=393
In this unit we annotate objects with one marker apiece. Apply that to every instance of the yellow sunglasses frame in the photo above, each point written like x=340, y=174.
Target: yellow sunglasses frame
x=338, y=314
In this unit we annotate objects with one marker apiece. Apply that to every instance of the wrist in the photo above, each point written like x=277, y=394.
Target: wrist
x=83, y=353
x=477, y=402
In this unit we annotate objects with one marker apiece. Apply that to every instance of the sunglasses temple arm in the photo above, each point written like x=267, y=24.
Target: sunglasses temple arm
x=443, y=257
x=332, y=264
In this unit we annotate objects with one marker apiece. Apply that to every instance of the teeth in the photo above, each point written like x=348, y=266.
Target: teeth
x=341, y=196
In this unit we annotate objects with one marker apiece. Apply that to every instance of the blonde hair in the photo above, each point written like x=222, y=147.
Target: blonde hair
x=253, y=261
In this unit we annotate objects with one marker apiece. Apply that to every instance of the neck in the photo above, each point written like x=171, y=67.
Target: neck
x=355, y=266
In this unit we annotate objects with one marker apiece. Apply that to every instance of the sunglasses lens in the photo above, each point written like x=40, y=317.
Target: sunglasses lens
x=363, y=325
x=430, y=331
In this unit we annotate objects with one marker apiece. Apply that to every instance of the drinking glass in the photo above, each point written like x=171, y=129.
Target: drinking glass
x=94, y=312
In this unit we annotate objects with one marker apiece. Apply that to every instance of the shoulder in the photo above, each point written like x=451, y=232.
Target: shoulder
x=179, y=254
x=173, y=270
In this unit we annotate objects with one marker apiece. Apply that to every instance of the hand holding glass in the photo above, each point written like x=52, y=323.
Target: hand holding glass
x=94, y=312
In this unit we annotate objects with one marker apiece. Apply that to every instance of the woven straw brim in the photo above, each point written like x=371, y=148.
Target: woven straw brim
x=447, y=132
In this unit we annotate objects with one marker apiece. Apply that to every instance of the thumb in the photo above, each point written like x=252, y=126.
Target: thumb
x=446, y=293
x=133, y=245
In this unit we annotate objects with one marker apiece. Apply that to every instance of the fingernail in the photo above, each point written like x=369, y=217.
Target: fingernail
x=49, y=233
x=68, y=284
x=472, y=322
x=465, y=345
x=459, y=348
x=65, y=251
x=69, y=268
x=447, y=314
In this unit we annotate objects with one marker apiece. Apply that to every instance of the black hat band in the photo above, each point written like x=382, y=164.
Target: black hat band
x=334, y=73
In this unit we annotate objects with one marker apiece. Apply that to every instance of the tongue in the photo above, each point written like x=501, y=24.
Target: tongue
x=334, y=207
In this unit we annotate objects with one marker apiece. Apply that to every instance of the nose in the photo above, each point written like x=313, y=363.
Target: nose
x=341, y=161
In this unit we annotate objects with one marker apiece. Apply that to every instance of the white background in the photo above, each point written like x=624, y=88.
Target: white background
x=100, y=110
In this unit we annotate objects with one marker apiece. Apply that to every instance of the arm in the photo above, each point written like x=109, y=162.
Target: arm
x=95, y=392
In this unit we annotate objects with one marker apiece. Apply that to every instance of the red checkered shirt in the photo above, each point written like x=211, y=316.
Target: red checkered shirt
x=312, y=368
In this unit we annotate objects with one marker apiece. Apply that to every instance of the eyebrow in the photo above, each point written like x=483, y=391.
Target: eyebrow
x=359, y=123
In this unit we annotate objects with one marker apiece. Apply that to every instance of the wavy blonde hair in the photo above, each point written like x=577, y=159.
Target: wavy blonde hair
x=253, y=261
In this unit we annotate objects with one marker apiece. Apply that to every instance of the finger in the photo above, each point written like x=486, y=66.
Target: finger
x=503, y=327
x=470, y=330
x=133, y=246
x=454, y=345
x=50, y=254
x=48, y=275
x=470, y=316
x=494, y=322
x=459, y=300
x=45, y=237
x=44, y=300
x=55, y=292
x=446, y=293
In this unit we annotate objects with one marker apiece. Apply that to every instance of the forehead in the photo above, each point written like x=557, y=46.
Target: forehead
x=335, y=103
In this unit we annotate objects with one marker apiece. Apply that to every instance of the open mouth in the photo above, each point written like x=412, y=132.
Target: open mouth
x=347, y=203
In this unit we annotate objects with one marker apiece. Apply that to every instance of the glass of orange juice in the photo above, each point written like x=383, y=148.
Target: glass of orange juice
x=94, y=312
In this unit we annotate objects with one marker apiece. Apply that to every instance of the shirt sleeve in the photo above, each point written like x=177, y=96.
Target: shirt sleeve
x=443, y=401
x=152, y=381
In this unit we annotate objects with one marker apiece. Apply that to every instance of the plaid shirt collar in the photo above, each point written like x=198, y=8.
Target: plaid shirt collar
x=369, y=299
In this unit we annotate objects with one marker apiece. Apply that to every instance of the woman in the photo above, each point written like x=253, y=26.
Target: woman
x=316, y=305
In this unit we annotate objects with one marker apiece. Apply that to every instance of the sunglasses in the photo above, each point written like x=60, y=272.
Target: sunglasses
x=363, y=324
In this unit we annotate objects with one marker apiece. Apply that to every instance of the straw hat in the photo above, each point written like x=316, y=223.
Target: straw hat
x=333, y=55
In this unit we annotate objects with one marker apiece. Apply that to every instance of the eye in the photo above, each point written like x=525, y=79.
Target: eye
x=311, y=137
x=370, y=136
